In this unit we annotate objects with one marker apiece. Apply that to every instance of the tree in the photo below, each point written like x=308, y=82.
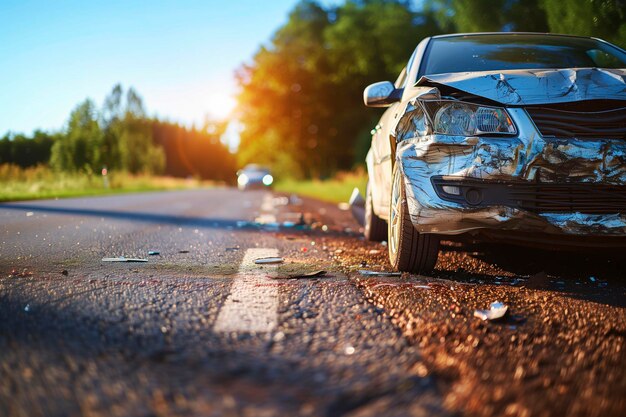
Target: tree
x=301, y=97
x=112, y=115
x=79, y=149
x=604, y=19
x=489, y=15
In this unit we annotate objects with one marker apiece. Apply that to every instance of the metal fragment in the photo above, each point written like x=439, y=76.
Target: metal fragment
x=368, y=273
x=123, y=259
x=269, y=260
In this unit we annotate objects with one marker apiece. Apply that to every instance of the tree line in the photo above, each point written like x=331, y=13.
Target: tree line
x=120, y=136
x=300, y=96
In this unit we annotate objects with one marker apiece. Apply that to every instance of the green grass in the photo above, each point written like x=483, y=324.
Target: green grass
x=335, y=190
x=41, y=182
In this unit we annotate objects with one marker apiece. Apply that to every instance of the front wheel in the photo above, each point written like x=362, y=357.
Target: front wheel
x=409, y=250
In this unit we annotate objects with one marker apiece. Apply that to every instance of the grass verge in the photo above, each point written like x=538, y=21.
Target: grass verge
x=335, y=190
x=41, y=182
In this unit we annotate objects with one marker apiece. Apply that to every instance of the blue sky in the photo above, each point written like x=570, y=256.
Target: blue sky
x=179, y=55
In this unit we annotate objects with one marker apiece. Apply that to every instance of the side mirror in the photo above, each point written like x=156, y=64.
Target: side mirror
x=381, y=94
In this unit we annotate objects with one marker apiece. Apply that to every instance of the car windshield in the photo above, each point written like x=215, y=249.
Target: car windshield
x=511, y=51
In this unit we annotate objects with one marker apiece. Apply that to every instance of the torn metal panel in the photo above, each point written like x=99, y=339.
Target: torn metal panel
x=527, y=158
x=540, y=86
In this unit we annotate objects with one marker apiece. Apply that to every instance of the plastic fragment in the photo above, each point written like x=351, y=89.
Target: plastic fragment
x=154, y=252
x=313, y=274
x=367, y=273
x=269, y=260
x=496, y=311
x=183, y=251
x=123, y=259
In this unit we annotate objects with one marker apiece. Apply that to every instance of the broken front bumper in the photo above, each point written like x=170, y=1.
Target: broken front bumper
x=526, y=183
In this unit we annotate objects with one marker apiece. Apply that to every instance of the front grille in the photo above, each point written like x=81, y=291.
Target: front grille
x=582, y=198
x=540, y=198
x=606, y=124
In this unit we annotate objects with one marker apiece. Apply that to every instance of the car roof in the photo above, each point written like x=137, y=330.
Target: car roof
x=452, y=35
x=255, y=167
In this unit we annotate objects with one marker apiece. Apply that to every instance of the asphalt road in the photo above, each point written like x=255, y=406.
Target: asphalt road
x=200, y=329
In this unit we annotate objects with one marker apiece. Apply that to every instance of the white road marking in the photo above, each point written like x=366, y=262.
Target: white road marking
x=250, y=307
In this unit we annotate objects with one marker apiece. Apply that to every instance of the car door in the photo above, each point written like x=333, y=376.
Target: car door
x=382, y=153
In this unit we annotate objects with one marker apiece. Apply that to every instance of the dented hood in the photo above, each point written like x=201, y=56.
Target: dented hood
x=540, y=86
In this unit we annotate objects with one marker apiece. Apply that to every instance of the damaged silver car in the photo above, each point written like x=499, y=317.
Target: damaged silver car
x=500, y=136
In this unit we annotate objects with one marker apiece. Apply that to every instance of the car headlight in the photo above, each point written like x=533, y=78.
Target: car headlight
x=467, y=119
x=242, y=179
x=268, y=179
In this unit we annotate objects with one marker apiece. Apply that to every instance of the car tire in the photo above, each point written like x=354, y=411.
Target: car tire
x=375, y=228
x=409, y=250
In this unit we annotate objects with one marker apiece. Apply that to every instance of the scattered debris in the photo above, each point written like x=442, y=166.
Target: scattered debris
x=30, y=213
x=232, y=249
x=65, y=272
x=123, y=259
x=280, y=201
x=374, y=252
x=592, y=279
x=384, y=243
x=154, y=252
x=379, y=273
x=27, y=308
x=269, y=260
x=338, y=251
x=183, y=251
x=15, y=274
x=314, y=274
x=363, y=264
x=496, y=311
x=294, y=200
x=349, y=350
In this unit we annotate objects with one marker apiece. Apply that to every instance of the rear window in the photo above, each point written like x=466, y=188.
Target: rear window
x=507, y=52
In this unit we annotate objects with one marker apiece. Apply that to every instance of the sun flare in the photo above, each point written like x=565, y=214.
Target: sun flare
x=219, y=104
